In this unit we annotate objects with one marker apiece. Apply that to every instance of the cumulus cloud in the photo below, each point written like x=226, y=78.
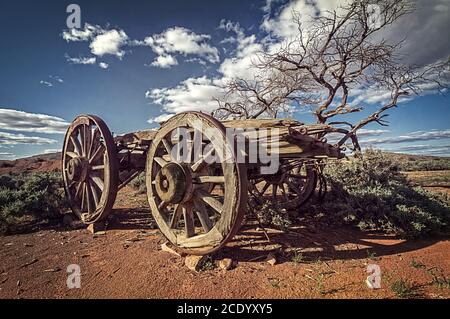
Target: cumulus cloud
x=14, y=139
x=182, y=41
x=164, y=61
x=160, y=118
x=109, y=42
x=85, y=34
x=191, y=94
x=102, y=41
x=200, y=93
x=14, y=120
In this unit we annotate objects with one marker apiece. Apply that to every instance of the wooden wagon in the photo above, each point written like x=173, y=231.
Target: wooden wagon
x=199, y=202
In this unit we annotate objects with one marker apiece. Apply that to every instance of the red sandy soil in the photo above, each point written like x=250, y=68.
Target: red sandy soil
x=127, y=262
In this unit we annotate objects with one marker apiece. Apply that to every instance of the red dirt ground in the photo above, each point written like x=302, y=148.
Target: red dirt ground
x=127, y=262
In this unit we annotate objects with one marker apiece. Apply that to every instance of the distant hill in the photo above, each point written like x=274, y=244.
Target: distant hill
x=37, y=163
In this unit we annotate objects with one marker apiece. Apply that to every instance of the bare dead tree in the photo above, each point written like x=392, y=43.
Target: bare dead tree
x=333, y=57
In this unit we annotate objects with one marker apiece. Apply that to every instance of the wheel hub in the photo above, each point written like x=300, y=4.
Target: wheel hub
x=173, y=183
x=78, y=169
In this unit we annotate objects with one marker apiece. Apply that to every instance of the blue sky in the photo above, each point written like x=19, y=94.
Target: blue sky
x=44, y=85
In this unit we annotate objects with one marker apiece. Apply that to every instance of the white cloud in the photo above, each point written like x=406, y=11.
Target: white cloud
x=14, y=139
x=103, y=65
x=103, y=41
x=164, y=61
x=13, y=120
x=46, y=83
x=81, y=60
x=199, y=93
x=366, y=132
x=191, y=94
x=409, y=137
x=160, y=118
x=84, y=34
x=182, y=41
x=109, y=42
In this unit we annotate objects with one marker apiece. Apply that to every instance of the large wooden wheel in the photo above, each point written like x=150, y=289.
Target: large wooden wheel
x=90, y=168
x=290, y=187
x=196, y=190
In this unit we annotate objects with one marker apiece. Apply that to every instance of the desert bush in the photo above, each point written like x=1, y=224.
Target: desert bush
x=424, y=165
x=371, y=192
x=138, y=183
x=39, y=195
x=269, y=213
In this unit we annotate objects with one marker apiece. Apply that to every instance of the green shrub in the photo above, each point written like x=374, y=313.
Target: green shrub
x=40, y=195
x=371, y=192
x=404, y=289
x=269, y=213
x=437, y=164
x=138, y=183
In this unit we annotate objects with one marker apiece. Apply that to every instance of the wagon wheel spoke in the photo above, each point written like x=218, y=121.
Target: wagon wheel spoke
x=210, y=179
x=210, y=200
x=72, y=154
x=274, y=191
x=283, y=192
x=176, y=216
x=202, y=215
x=89, y=197
x=98, y=181
x=98, y=167
x=95, y=194
x=83, y=197
x=188, y=216
x=167, y=145
x=87, y=139
x=98, y=154
x=161, y=162
x=82, y=134
x=76, y=145
x=202, y=162
x=95, y=137
x=264, y=189
x=78, y=190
